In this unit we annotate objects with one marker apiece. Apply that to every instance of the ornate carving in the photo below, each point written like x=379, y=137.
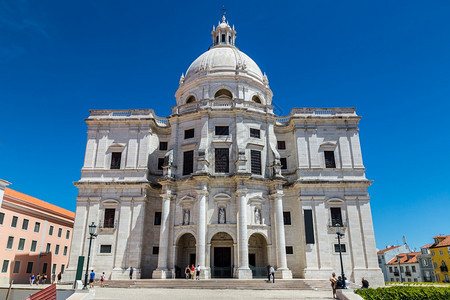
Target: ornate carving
x=186, y=216
x=222, y=216
x=257, y=216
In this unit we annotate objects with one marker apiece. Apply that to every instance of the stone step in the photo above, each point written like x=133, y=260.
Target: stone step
x=255, y=284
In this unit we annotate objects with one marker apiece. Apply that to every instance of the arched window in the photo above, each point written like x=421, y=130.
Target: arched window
x=256, y=99
x=190, y=99
x=223, y=93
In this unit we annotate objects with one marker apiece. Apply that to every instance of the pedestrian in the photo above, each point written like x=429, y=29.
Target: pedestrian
x=32, y=279
x=131, y=272
x=198, y=272
x=38, y=277
x=187, y=270
x=333, y=284
x=44, y=278
x=102, y=279
x=91, y=278
x=272, y=274
x=59, y=277
x=365, y=283
x=53, y=277
x=192, y=272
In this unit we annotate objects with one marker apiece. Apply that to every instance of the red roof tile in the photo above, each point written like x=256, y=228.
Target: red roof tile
x=404, y=258
x=387, y=249
x=444, y=241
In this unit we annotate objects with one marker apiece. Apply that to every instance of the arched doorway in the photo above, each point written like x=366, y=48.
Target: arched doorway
x=222, y=253
x=185, y=254
x=257, y=255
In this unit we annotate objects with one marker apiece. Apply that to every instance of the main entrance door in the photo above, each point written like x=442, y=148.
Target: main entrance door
x=221, y=256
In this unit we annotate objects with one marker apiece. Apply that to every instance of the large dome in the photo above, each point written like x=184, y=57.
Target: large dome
x=224, y=59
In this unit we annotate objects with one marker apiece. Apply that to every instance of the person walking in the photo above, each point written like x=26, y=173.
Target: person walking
x=32, y=279
x=91, y=279
x=272, y=274
x=333, y=281
x=131, y=272
x=102, y=279
x=187, y=270
x=198, y=272
x=38, y=277
x=53, y=278
x=59, y=277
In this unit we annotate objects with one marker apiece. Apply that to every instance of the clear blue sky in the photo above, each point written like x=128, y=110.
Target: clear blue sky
x=390, y=59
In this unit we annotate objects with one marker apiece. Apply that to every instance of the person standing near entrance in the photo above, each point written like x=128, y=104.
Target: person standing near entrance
x=131, y=272
x=272, y=274
x=187, y=270
x=192, y=271
x=198, y=272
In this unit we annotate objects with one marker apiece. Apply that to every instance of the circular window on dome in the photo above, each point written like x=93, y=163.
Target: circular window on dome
x=256, y=99
x=190, y=99
x=223, y=94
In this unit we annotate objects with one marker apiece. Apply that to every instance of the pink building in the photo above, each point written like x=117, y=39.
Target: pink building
x=35, y=237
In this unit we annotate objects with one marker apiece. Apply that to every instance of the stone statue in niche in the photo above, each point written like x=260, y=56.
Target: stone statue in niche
x=258, y=216
x=222, y=216
x=186, y=216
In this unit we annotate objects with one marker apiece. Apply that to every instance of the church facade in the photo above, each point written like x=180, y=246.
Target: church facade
x=224, y=183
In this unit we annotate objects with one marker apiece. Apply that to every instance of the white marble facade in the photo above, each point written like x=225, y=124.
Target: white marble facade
x=225, y=215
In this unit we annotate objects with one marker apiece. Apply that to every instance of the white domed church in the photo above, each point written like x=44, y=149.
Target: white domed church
x=224, y=183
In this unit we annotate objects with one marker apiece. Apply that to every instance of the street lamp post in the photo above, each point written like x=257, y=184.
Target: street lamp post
x=339, y=232
x=92, y=235
x=399, y=269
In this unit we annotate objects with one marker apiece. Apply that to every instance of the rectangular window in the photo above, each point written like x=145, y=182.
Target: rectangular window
x=413, y=268
x=9, y=245
x=222, y=130
x=336, y=216
x=116, y=157
x=188, y=162
x=255, y=157
x=289, y=250
x=188, y=134
x=329, y=159
x=309, y=226
x=59, y=232
x=47, y=250
x=5, y=266
x=44, y=267
x=401, y=269
x=21, y=244
x=57, y=250
x=25, y=224
x=33, y=246
x=160, y=163
x=336, y=248
x=65, y=251
x=14, y=221
x=105, y=248
x=255, y=133
x=162, y=145
x=281, y=145
x=390, y=269
x=2, y=218
x=67, y=234
x=54, y=268
x=287, y=217
x=37, y=227
x=29, y=267
x=157, y=218
x=155, y=250
x=222, y=160
x=63, y=266
x=108, y=222
x=223, y=38
x=50, y=230
x=283, y=161
x=16, y=268
x=440, y=252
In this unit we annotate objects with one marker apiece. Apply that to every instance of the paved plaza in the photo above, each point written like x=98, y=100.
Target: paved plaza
x=182, y=294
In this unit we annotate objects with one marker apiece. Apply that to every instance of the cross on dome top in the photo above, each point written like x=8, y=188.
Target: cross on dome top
x=223, y=34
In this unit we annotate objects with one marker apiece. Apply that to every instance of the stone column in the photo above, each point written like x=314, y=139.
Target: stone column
x=201, y=232
x=243, y=271
x=162, y=271
x=282, y=269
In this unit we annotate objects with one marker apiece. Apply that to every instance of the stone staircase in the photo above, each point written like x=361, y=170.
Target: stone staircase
x=215, y=284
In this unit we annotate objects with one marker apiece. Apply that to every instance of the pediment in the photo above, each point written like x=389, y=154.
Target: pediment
x=110, y=202
x=187, y=198
x=257, y=199
x=116, y=146
x=328, y=145
x=222, y=196
x=335, y=201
